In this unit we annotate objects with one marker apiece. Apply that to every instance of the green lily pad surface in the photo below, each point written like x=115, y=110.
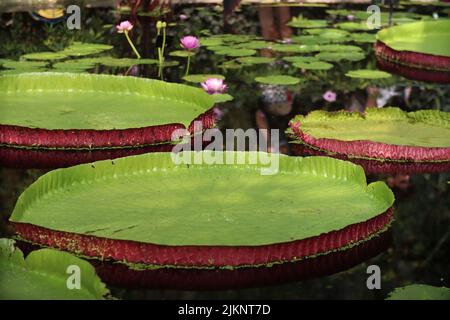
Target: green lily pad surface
x=44, y=56
x=278, y=80
x=426, y=128
x=313, y=65
x=151, y=199
x=368, y=74
x=428, y=37
x=87, y=101
x=420, y=292
x=197, y=78
x=43, y=275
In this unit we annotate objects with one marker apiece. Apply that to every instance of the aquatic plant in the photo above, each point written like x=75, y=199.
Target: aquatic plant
x=387, y=134
x=420, y=292
x=214, y=85
x=160, y=25
x=329, y=96
x=125, y=27
x=44, y=275
x=129, y=112
x=189, y=43
x=231, y=233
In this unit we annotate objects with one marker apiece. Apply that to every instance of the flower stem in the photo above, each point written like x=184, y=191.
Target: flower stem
x=188, y=65
x=132, y=45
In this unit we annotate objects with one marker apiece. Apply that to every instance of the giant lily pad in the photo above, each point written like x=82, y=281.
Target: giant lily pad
x=149, y=210
x=43, y=275
x=63, y=110
x=384, y=134
x=423, y=44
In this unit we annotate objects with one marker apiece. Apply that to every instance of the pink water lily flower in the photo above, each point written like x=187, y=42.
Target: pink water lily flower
x=124, y=26
x=329, y=96
x=190, y=43
x=214, y=85
x=183, y=17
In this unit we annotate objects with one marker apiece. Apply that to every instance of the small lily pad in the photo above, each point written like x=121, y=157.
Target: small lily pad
x=255, y=60
x=300, y=59
x=306, y=23
x=83, y=49
x=309, y=40
x=353, y=26
x=363, y=37
x=368, y=74
x=208, y=42
x=236, y=52
x=313, y=65
x=256, y=44
x=181, y=53
x=44, y=56
x=295, y=48
x=24, y=65
x=341, y=56
x=222, y=97
x=124, y=62
x=197, y=78
x=278, y=80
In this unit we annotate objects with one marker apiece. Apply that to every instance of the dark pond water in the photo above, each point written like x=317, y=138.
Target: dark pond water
x=417, y=249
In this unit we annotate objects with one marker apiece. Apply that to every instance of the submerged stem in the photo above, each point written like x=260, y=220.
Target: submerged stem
x=132, y=45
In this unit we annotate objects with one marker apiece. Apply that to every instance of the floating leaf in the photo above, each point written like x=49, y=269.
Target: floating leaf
x=309, y=40
x=363, y=37
x=278, y=80
x=182, y=53
x=368, y=74
x=341, y=56
x=313, y=65
x=197, y=78
x=385, y=134
x=305, y=23
x=83, y=49
x=44, y=56
x=44, y=275
x=300, y=59
x=230, y=65
x=427, y=37
x=339, y=48
x=222, y=97
x=157, y=187
x=65, y=101
x=24, y=65
x=255, y=60
x=236, y=52
x=256, y=44
x=353, y=26
x=209, y=42
x=124, y=62
x=420, y=292
x=295, y=48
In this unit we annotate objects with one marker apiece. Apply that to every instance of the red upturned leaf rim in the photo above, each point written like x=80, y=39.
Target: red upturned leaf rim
x=24, y=158
x=299, y=148
x=121, y=275
x=412, y=59
x=432, y=76
x=203, y=256
x=371, y=149
x=89, y=139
